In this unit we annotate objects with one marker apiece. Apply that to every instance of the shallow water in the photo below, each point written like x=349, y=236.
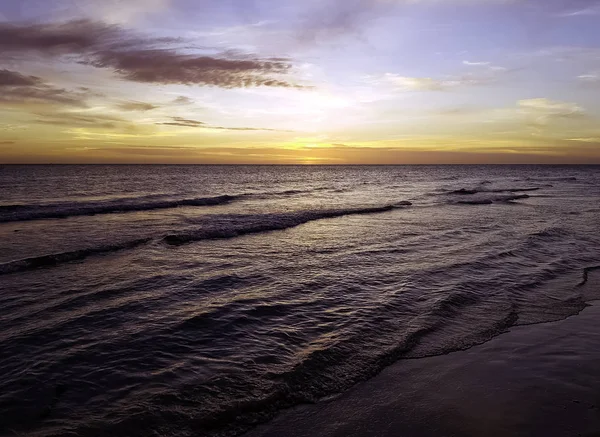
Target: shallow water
x=199, y=300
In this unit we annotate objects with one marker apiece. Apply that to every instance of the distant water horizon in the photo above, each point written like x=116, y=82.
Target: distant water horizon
x=541, y=164
x=202, y=299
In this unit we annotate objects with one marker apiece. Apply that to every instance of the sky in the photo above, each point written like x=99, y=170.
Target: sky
x=300, y=81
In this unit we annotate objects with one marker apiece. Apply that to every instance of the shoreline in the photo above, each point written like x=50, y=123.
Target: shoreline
x=534, y=380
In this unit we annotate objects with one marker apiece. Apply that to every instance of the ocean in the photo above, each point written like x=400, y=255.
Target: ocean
x=203, y=300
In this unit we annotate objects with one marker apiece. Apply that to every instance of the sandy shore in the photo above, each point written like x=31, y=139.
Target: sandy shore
x=538, y=380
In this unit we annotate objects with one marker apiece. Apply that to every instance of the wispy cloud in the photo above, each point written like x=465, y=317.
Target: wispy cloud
x=136, y=106
x=329, y=19
x=113, y=11
x=586, y=140
x=485, y=65
x=590, y=78
x=184, y=122
x=542, y=111
x=183, y=100
x=18, y=89
x=477, y=64
x=83, y=120
x=406, y=83
x=578, y=12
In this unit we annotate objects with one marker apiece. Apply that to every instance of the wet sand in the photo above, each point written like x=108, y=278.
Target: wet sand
x=537, y=380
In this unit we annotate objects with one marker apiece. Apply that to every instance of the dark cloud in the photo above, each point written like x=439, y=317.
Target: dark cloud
x=12, y=79
x=184, y=122
x=136, y=106
x=140, y=59
x=179, y=121
x=51, y=39
x=166, y=66
x=70, y=38
x=16, y=88
x=7, y=143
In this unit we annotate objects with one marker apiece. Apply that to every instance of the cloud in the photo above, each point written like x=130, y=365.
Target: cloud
x=83, y=120
x=486, y=65
x=170, y=67
x=248, y=129
x=547, y=106
x=457, y=111
x=118, y=11
x=542, y=111
x=184, y=122
x=15, y=79
x=73, y=37
x=136, y=106
x=593, y=9
x=183, y=100
x=590, y=78
x=406, y=83
x=476, y=64
x=18, y=89
x=586, y=140
x=568, y=53
x=334, y=18
x=137, y=58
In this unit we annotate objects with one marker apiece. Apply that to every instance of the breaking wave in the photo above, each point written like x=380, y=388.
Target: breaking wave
x=63, y=257
x=254, y=224
x=469, y=192
x=12, y=213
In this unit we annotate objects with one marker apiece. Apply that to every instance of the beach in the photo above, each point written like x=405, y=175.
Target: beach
x=537, y=380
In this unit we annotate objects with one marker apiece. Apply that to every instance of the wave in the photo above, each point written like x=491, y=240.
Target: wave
x=463, y=191
x=12, y=213
x=548, y=179
x=494, y=199
x=550, y=233
x=254, y=224
x=250, y=224
x=469, y=192
x=64, y=257
x=586, y=272
x=294, y=192
x=512, y=190
x=21, y=212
